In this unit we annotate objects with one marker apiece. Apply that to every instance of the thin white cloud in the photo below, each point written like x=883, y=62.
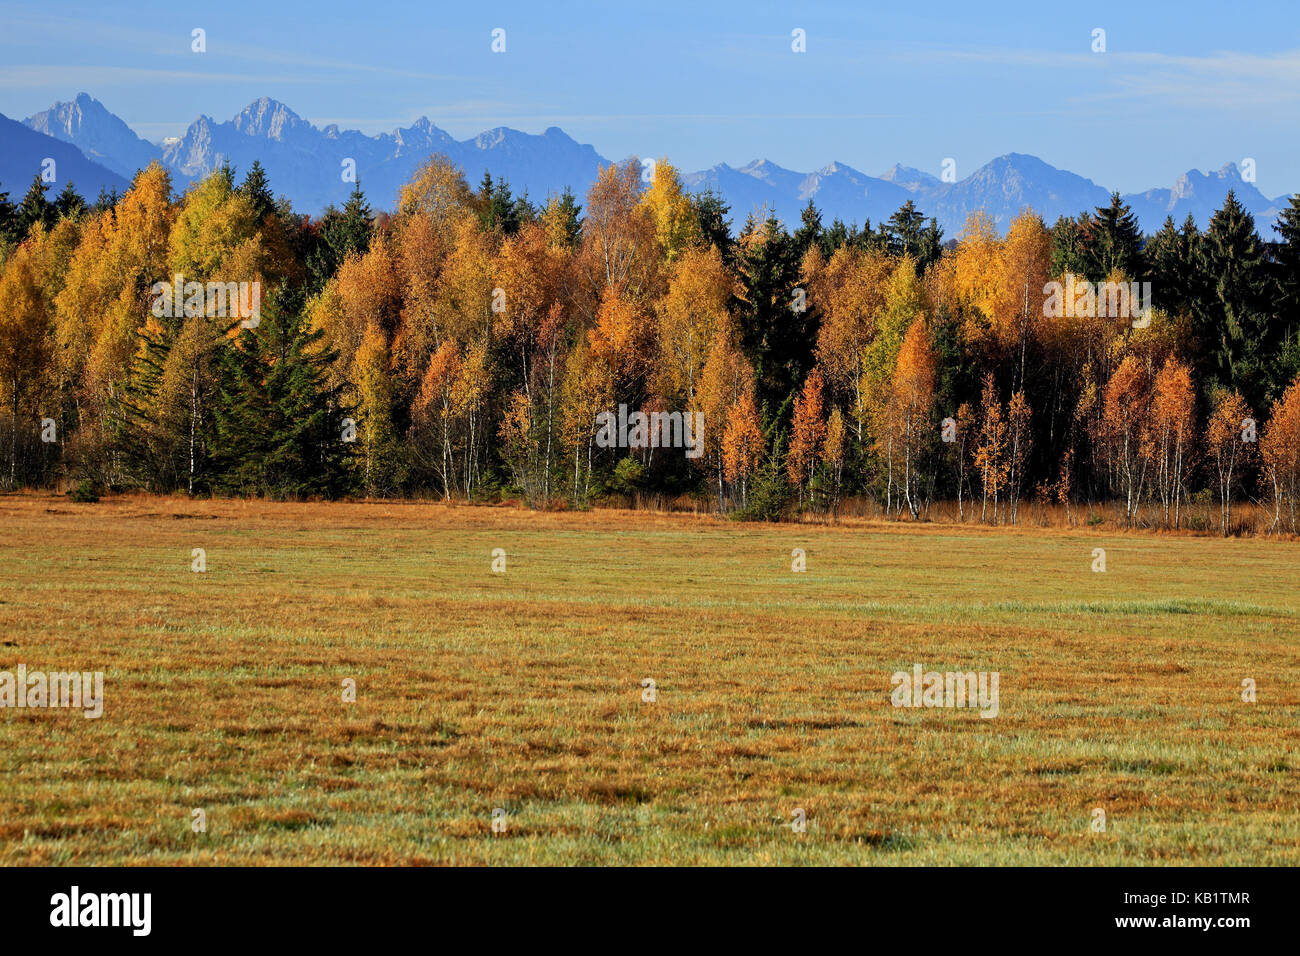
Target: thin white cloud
x=77, y=35
x=1224, y=79
x=93, y=77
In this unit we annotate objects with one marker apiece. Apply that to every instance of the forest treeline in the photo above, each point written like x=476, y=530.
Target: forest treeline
x=466, y=345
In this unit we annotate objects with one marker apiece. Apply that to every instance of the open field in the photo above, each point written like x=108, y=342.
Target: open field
x=522, y=690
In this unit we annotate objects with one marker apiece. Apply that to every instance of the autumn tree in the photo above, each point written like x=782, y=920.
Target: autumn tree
x=379, y=462
x=725, y=382
x=619, y=240
x=911, y=407
x=533, y=327
x=435, y=412
x=959, y=450
x=690, y=316
x=834, y=452
x=1124, y=429
x=1173, y=407
x=1022, y=270
x=850, y=291
x=25, y=348
x=742, y=444
x=439, y=192
x=990, y=453
x=808, y=433
x=586, y=392
x=670, y=211
x=104, y=303
x=1280, y=450
x=1019, y=442
x=1229, y=446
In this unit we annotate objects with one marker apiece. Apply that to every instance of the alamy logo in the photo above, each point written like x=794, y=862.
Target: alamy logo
x=103, y=909
x=233, y=300
x=1079, y=298
x=653, y=430
x=923, y=688
x=82, y=691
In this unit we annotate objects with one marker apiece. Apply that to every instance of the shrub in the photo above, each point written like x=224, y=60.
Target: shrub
x=84, y=493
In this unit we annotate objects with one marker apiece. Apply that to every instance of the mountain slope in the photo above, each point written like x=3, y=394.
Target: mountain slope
x=100, y=135
x=305, y=163
x=24, y=150
x=1004, y=186
x=1201, y=195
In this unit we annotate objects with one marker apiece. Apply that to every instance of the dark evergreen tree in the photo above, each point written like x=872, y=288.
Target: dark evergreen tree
x=1069, y=245
x=906, y=233
x=498, y=209
x=339, y=233
x=1231, y=314
x=868, y=239
x=227, y=172
x=931, y=248
x=36, y=208
x=809, y=233
x=1287, y=277
x=777, y=338
x=902, y=231
x=69, y=204
x=105, y=200
x=834, y=237
x=8, y=219
x=711, y=213
x=140, y=434
x=1114, y=241
x=279, y=422
x=1171, y=256
x=257, y=188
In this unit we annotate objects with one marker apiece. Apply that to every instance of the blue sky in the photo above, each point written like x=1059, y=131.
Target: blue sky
x=1181, y=85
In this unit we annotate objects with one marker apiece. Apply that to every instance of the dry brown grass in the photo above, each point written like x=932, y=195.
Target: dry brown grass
x=522, y=691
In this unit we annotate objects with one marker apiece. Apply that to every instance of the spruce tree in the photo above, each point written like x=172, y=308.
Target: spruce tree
x=35, y=208
x=105, y=200
x=777, y=339
x=341, y=232
x=257, y=188
x=1171, y=262
x=711, y=213
x=279, y=421
x=139, y=430
x=834, y=237
x=1069, y=246
x=69, y=204
x=8, y=219
x=809, y=233
x=1231, y=315
x=1287, y=272
x=1115, y=241
x=931, y=249
x=903, y=230
x=499, y=210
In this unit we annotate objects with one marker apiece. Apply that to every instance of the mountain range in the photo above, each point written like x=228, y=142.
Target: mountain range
x=95, y=148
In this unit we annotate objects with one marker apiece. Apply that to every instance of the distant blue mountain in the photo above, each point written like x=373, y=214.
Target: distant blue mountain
x=304, y=162
x=101, y=136
x=23, y=151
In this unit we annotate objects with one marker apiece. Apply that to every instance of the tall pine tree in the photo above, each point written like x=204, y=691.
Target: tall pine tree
x=1232, y=312
x=279, y=423
x=1114, y=241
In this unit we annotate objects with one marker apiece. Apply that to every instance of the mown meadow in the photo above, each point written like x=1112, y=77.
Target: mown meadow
x=523, y=691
